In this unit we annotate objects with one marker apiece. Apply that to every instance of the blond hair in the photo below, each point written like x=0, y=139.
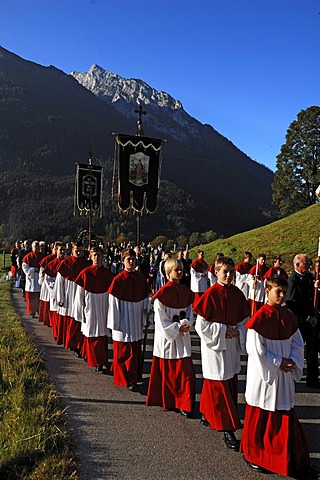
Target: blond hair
x=172, y=263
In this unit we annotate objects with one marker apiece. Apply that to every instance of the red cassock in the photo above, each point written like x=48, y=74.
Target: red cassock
x=95, y=281
x=199, y=266
x=243, y=267
x=44, y=306
x=274, y=440
x=47, y=259
x=130, y=289
x=260, y=271
x=276, y=271
x=69, y=269
x=44, y=312
x=51, y=270
x=172, y=380
x=218, y=402
x=32, y=259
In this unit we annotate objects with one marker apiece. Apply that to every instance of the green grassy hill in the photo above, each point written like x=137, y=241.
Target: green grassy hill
x=298, y=233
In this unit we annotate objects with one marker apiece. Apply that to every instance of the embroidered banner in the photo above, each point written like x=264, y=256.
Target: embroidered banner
x=88, y=188
x=139, y=166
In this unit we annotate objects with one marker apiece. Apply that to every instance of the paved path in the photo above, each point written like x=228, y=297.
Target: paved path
x=118, y=437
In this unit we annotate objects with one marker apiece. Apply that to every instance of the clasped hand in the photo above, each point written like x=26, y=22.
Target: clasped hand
x=287, y=365
x=231, y=332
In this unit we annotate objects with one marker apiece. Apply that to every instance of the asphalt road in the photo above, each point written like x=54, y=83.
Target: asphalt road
x=118, y=437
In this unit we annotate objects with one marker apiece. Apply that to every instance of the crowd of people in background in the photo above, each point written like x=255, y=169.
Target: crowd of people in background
x=88, y=294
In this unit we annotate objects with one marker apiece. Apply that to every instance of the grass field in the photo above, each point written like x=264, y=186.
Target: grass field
x=298, y=233
x=35, y=442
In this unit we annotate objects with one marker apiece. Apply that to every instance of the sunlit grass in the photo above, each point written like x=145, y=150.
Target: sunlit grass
x=35, y=442
x=298, y=233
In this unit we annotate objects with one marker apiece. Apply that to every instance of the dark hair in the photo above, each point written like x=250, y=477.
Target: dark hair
x=58, y=244
x=96, y=249
x=276, y=281
x=77, y=244
x=128, y=252
x=223, y=261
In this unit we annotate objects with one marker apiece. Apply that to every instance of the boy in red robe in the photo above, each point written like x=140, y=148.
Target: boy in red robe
x=172, y=377
x=273, y=439
x=91, y=309
x=199, y=275
x=276, y=268
x=31, y=267
x=127, y=315
x=64, y=291
x=222, y=311
x=50, y=273
x=255, y=281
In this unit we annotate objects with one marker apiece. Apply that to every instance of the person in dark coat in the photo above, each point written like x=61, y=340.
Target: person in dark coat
x=299, y=300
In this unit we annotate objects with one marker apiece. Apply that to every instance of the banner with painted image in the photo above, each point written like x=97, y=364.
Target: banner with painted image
x=139, y=165
x=88, y=188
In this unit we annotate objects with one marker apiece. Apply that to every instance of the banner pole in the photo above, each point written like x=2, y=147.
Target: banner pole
x=138, y=228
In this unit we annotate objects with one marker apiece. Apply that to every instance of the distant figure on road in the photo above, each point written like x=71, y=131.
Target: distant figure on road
x=276, y=268
x=64, y=293
x=241, y=273
x=31, y=267
x=256, y=283
x=186, y=268
x=44, y=305
x=50, y=273
x=199, y=276
x=300, y=297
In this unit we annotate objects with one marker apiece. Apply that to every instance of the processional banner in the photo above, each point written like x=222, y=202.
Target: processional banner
x=88, y=188
x=139, y=166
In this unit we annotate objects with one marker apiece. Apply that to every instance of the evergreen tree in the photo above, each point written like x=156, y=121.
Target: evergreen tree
x=297, y=173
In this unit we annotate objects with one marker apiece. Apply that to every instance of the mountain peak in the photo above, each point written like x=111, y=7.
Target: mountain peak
x=132, y=88
x=165, y=113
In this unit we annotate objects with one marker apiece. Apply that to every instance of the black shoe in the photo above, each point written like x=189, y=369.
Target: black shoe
x=255, y=467
x=101, y=368
x=204, y=421
x=231, y=441
x=132, y=387
x=184, y=413
x=313, y=383
x=77, y=353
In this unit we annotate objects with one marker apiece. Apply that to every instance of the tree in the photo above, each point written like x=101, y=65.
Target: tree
x=195, y=239
x=297, y=173
x=210, y=236
x=159, y=240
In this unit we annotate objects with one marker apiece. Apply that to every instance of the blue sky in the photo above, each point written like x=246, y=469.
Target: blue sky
x=246, y=67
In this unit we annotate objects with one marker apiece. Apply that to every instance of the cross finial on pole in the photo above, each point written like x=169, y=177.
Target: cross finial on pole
x=140, y=112
x=90, y=155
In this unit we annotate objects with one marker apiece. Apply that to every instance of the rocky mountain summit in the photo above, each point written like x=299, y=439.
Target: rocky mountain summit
x=164, y=113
